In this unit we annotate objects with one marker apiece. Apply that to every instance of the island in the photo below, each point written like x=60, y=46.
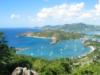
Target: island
x=54, y=35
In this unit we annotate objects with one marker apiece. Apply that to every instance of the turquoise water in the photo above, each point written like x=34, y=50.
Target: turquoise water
x=39, y=47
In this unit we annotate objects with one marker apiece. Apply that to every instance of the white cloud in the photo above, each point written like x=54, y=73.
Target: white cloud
x=85, y=15
x=59, y=13
x=92, y=15
x=15, y=16
x=97, y=9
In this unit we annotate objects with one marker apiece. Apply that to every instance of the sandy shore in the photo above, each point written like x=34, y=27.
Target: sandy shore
x=39, y=37
x=21, y=49
x=92, y=48
x=52, y=38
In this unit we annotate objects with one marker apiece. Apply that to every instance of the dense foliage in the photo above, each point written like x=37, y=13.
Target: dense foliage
x=8, y=58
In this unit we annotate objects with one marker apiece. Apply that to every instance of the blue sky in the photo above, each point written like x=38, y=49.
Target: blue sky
x=32, y=13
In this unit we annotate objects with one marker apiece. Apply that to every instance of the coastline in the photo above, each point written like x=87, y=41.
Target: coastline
x=54, y=40
x=38, y=37
x=18, y=49
x=92, y=49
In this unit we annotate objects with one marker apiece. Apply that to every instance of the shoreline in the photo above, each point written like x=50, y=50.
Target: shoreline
x=38, y=37
x=20, y=49
x=92, y=49
x=51, y=38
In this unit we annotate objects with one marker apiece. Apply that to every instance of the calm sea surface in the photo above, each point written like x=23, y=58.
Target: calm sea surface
x=38, y=47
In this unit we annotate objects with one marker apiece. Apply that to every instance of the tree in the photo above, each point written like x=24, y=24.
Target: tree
x=87, y=72
x=7, y=55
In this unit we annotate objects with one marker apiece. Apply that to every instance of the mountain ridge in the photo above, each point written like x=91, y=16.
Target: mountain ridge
x=78, y=27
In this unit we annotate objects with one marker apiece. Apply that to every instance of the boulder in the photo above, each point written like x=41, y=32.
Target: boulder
x=23, y=71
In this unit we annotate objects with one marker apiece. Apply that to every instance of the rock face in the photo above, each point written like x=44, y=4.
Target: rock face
x=23, y=71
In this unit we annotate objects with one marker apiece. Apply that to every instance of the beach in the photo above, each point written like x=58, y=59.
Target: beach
x=92, y=49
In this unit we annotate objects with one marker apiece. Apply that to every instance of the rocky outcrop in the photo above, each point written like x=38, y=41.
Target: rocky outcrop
x=23, y=71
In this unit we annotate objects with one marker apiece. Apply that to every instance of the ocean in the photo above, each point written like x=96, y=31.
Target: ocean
x=42, y=48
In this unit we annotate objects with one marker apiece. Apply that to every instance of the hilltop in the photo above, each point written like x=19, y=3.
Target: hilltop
x=75, y=27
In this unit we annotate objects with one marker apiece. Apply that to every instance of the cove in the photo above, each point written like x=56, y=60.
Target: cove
x=38, y=47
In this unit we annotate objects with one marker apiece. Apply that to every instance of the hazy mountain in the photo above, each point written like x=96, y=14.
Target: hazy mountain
x=75, y=27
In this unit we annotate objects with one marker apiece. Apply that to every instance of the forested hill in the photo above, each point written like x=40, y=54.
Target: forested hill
x=78, y=27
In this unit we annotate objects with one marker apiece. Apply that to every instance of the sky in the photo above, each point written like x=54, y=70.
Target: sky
x=37, y=13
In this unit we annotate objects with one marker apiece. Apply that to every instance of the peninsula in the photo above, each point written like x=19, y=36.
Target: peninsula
x=54, y=35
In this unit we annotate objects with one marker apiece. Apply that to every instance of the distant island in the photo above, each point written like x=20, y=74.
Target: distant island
x=59, y=33
x=54, y=35
x=63, y=32
x=74, y=27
